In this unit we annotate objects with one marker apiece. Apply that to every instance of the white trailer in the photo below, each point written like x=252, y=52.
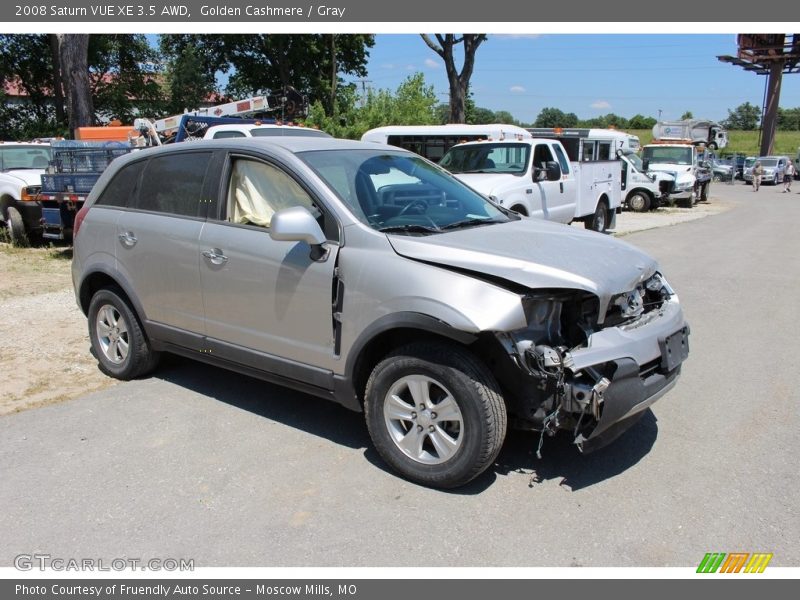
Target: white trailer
x=696, y=131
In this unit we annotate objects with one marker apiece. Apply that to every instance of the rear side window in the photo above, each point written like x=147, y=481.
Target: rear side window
x=123, y=186
x=221, y=135
x=173, y=184
x=562, y=160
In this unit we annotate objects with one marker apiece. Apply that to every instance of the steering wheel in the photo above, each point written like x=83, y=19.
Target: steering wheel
x=418, y=202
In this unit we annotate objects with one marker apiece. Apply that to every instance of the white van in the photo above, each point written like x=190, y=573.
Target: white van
x=432, y=141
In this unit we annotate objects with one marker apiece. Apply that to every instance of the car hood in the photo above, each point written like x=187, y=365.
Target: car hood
x=488, y=183
x=26, y=176
x=536, y=254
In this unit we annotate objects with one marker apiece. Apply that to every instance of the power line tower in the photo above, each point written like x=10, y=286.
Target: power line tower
x=771, y=54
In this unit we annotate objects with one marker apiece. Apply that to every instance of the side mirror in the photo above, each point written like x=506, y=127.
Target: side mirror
x=646, y=164
x=553, y=171
x=296, y=224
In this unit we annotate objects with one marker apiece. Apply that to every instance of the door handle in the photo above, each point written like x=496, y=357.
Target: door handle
x=561, y=185
x=216, y=256
x=128, y=239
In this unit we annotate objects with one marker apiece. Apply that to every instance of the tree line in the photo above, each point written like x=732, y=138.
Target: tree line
x=125, y=76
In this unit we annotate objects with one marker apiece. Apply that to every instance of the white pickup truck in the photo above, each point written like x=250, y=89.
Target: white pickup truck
x=535, y=178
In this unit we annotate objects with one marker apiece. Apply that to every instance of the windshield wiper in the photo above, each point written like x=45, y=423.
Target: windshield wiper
x=409, y=229
x=471, y=222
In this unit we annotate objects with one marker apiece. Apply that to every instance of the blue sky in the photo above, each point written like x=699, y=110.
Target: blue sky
x=589, y=74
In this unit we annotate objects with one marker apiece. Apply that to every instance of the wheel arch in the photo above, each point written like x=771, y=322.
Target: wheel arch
x=101, y=278
x=390, y=332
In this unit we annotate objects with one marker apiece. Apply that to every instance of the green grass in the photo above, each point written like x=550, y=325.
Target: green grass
x=743, y=142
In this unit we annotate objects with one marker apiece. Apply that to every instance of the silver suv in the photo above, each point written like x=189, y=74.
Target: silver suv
x=365, y=274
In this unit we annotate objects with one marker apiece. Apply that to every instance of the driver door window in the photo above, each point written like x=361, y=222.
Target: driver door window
x=258, y=190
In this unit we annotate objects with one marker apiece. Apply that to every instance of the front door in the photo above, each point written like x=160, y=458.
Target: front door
x=267, y=303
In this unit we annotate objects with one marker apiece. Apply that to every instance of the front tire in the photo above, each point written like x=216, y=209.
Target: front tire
x=599, y=220
x=639, y=201
x=117, y=338
x=435, y=414
x=16, y=228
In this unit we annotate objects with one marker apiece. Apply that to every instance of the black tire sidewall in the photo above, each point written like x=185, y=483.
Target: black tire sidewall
x=456, y=470
x=16, y=227
x=130, y=367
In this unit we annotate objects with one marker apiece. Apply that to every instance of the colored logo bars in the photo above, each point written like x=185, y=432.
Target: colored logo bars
x=735, y=562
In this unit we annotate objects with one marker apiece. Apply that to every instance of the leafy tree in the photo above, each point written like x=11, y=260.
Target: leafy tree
x=125, y=78
x=554, y=117
x=481, y=116
x=745, y=117
x=505, y=117
x=458, y=80
x=687, y=115
x=789, y=119
x=312, y=63
x=26, y=61
x=641, y=122
x=413, y=103
x=187, y=80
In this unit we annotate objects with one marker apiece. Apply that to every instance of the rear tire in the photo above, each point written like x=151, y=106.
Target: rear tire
x=435, y=414
x=16, y=228
x=118, y=340
x=599, y=220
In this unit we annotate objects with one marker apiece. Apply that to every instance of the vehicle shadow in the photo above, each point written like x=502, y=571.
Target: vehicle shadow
x=560, y=459
x=307, y=413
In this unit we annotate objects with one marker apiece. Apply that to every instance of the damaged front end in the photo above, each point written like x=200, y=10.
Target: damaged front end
x=590, y=369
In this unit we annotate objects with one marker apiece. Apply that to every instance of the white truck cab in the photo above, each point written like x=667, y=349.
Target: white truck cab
x=685, y=162
x=535, y=178
x=643, y=190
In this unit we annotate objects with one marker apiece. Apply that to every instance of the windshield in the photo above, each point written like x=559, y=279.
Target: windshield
x=634, y=159
x=668, y=154
x=24, y=157
x=487, y=158
x=401, y=193
x=769, y=162
x=749, y=162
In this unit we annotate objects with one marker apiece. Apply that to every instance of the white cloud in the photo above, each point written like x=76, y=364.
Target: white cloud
x=600, y=105
x=388, y=66
x=411, y=68
x=432, y=64
x=516, y=89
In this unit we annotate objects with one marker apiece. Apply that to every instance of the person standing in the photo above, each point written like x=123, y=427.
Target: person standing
x=758, y=171
x=788, y=176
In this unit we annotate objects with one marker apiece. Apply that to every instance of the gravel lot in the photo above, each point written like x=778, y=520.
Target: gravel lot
x=44, y=343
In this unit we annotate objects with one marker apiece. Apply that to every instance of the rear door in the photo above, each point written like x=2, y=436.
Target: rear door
x=157, y=239
x=268, y=304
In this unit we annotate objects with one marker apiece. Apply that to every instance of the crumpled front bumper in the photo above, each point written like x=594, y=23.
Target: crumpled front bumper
x=645, y=364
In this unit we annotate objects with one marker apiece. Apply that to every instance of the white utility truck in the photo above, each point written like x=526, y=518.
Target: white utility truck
x=535, y=178
x=641, y=191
